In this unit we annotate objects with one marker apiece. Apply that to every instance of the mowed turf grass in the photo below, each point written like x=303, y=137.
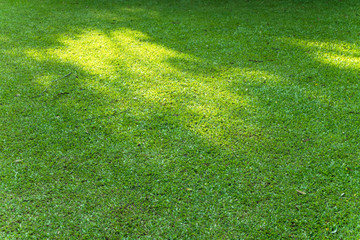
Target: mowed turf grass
x=179, y=119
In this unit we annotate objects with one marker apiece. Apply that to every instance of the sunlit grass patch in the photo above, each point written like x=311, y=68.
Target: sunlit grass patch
x=339, y=54
x=131, y=59
x=341, y=60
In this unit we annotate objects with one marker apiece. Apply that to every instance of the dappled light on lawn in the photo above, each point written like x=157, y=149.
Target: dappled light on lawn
x=159, y=119
x=338, y=54
x=130, y=58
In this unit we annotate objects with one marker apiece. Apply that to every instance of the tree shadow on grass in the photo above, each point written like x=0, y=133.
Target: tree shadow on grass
x=140, y=132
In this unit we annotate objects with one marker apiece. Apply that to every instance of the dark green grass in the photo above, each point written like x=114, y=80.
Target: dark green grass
x=180, y=119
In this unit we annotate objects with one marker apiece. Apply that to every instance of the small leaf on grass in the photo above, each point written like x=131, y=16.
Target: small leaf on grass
x=188, y=189
x=256, y=61
x=300, y=192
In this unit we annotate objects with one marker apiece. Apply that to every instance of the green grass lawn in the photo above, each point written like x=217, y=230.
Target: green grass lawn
x=178, y=119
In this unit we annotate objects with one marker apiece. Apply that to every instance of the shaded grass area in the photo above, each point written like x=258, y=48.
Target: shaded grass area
x=179, y=120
